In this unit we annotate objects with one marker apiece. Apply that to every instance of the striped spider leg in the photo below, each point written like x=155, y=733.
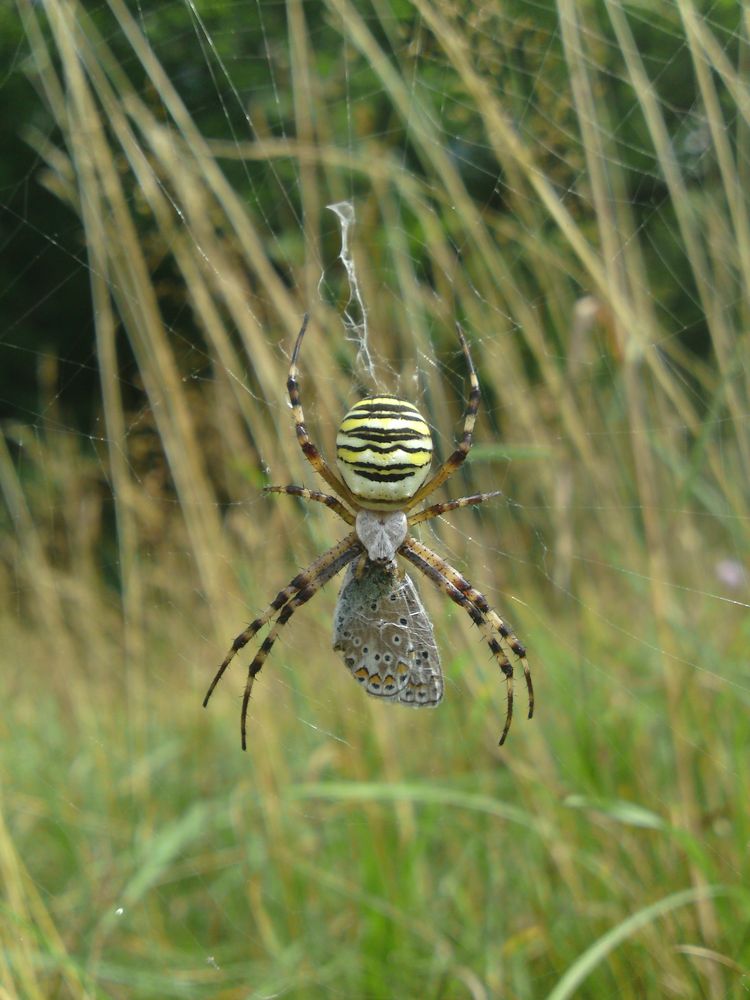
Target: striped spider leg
x=351, y=549
x=325, y=498
x=437, y=509
x=448, y=579
x=498, y=636
x=455, y=460
x=294, y=595
x=309, y=450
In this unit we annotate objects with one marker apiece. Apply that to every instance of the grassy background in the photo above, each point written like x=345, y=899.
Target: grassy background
x=358, y=851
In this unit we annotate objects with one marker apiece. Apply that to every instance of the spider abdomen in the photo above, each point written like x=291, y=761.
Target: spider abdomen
x=383, y=450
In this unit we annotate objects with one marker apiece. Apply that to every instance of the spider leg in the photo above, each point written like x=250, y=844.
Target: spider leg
x=460, y=591
x=302, y=491
x=455, y=460
x=476, y=616
x=313, y=585
x=442, y=508
x=310, y=451
x=300, y=581
x=479, y=600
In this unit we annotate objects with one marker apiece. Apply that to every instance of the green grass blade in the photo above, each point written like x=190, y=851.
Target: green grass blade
x=588, y=961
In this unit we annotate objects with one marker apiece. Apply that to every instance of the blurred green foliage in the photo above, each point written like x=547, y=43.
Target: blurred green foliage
x=240, y=87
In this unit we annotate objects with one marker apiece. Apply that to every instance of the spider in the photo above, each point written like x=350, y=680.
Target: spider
x=381, y=629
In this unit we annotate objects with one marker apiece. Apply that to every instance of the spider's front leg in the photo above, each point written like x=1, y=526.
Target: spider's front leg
x=300, y=581
x=312, y=586
x=460, y=591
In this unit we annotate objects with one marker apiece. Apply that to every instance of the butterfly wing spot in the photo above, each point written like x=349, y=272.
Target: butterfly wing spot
x=380, y=621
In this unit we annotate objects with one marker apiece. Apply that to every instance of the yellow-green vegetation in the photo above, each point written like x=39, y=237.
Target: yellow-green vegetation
x=570, y=182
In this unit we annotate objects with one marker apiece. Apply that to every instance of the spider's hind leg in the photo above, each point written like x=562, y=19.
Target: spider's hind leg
x=456, y=459
x=309, y=449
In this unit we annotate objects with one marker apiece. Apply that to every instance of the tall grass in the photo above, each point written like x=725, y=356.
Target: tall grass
x=358, y=851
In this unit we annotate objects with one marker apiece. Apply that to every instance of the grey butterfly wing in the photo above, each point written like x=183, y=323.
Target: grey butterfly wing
x=386, y=639
x=424, y=687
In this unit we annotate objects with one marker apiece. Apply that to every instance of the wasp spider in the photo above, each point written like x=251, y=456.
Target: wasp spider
x=381, y=629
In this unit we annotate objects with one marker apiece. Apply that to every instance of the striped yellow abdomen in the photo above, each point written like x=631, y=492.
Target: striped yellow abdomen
x=383, y=450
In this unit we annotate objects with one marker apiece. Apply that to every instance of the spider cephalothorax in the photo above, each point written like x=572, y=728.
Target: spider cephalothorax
x=381, y=629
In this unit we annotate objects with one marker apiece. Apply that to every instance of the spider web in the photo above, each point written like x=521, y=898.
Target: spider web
x=185, y=180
